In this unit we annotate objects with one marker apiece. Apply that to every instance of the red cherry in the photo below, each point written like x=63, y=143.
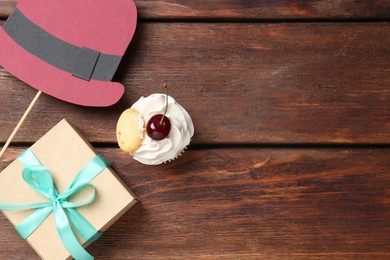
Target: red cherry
x=157, y=129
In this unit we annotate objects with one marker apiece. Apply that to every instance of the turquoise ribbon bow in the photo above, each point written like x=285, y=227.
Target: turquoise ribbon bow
x=65, y=216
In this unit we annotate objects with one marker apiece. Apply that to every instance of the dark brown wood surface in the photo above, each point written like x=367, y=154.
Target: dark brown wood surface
x=291, y=158
x=246, y=204
x=242, y=83
x=252, y=9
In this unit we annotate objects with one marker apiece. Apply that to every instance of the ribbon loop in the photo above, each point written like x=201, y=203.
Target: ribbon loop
x=40, y=179
x=67, y=204
x=65, y=216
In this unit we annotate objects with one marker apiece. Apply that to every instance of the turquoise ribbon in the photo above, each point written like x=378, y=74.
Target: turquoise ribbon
x=65, y=216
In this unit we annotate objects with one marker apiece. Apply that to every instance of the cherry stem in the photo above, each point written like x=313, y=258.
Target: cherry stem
x=166, y=104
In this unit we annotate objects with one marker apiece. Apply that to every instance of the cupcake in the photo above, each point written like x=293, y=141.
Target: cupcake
x=156, y=129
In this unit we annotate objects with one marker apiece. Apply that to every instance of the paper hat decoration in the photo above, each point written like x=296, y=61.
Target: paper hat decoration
x=69, y=49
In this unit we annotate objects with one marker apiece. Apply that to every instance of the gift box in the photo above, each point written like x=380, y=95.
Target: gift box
x=65, y=155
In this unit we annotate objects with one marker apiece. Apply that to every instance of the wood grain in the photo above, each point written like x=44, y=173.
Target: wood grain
x=232, y=9
x=278, y=81
x=246, y=204
x=242, y=83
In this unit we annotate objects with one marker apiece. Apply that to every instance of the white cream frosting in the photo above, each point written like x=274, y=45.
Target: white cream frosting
x=153, y=152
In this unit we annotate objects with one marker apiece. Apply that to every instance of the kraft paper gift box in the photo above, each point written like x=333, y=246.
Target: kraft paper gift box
x=64, y=152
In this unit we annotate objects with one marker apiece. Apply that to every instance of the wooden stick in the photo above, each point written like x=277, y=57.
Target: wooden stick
x=20, y=123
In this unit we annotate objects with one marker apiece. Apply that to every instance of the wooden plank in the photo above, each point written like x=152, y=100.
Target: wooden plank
x=230, y=9
x=246, y=204
x=241, y=83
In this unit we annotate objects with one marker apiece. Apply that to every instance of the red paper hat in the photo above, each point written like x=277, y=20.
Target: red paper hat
x=69, y=49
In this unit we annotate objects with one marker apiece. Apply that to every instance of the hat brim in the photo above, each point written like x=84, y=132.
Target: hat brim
x=53, y=81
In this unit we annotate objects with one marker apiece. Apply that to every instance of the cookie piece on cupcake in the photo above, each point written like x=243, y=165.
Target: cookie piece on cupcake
x=130, y=130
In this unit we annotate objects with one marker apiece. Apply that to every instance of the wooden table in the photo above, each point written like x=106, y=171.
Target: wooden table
x=291, y=106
